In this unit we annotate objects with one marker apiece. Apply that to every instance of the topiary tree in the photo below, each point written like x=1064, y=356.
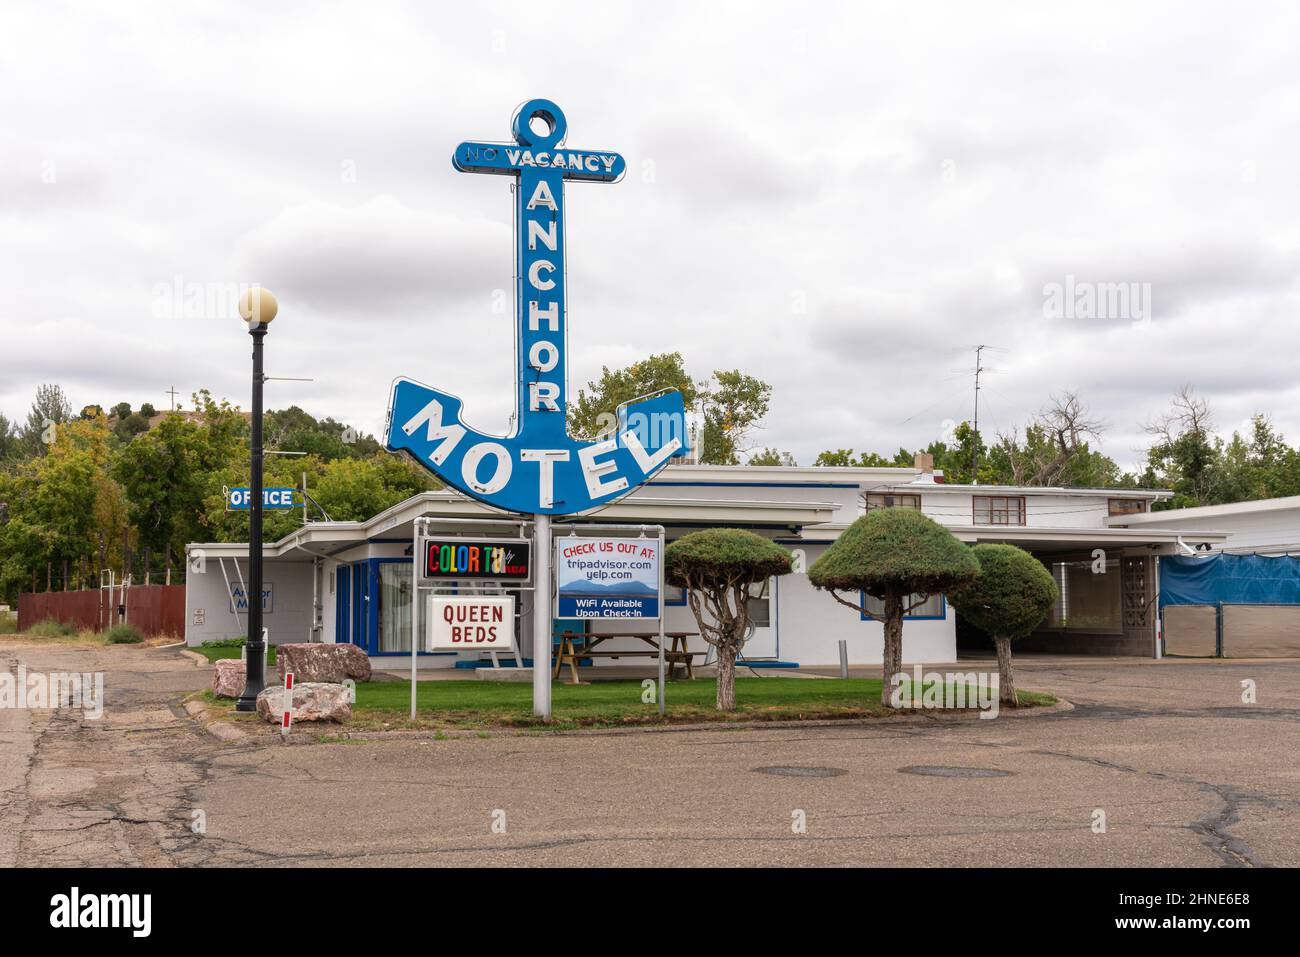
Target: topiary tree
x=901, y=557
x=716, y=567
x=1011, y=597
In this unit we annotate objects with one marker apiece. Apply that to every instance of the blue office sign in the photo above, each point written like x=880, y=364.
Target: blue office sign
x=538, y=468
x=239, y=499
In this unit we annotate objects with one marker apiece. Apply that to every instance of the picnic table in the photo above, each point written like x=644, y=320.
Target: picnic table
x=576, y=646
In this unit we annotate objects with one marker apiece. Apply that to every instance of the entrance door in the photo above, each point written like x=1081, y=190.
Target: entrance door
x=361, y=600
x=762, y=644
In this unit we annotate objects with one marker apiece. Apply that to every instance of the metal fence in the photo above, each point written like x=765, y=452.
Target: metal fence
x=1232, y=631
x=151, y=609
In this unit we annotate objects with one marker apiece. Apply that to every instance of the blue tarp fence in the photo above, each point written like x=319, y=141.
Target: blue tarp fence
x=1230, y=580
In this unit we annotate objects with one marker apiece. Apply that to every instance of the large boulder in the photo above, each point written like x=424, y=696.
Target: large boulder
x=312, y=701
x=228, y=677
x=332, y=663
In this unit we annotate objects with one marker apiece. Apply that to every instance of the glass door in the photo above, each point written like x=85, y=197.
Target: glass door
x=762, y=644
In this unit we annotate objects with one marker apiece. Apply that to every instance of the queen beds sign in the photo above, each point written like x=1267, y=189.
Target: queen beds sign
x=471, y=623
x=537, y=469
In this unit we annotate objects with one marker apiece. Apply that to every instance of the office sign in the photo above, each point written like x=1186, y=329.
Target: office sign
x=538, y=468
x=459, y=559
x=239, y=598
x=607, y=577
x=470, y=623
x=239, y=499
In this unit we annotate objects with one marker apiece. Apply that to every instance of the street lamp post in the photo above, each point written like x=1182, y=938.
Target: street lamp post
x=257, y=307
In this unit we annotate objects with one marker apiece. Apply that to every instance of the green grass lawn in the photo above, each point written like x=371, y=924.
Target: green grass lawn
x=480, y=704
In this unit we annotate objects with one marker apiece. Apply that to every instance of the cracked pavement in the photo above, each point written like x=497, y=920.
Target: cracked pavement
x=1184, y=772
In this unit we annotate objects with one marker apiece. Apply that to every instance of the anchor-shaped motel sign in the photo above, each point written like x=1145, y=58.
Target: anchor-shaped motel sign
x=537, y=469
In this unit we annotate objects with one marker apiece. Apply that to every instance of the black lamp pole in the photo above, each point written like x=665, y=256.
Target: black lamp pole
x=255, y=674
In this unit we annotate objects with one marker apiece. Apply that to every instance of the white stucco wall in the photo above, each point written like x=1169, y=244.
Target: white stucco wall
x=290, y=617
x=1271, y=531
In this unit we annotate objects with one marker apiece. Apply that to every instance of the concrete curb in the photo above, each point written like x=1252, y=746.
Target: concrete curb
x=194, y=656
x=219, y=728
x=309, y=733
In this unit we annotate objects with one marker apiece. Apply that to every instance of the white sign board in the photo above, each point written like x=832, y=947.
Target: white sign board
x=470, y=623
x=606, y=577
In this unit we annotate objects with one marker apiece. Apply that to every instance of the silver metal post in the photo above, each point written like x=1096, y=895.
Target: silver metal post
x=663, y=611
x=844, y=658
x=542, y=618
x=415, y=603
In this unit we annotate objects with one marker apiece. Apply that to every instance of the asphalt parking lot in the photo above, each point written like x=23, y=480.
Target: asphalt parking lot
x=1159, y=763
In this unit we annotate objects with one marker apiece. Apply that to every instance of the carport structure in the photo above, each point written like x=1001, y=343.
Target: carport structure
x=1109, y=583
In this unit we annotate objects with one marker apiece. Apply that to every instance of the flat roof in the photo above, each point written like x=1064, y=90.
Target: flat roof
x=1214, y=511
x=328, y=538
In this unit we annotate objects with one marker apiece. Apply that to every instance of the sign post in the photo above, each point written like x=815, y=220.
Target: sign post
x=538, y=470
x=471, y=619
x=542, y=620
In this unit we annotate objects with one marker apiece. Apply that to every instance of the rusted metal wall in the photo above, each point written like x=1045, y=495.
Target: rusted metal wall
x=152, y=609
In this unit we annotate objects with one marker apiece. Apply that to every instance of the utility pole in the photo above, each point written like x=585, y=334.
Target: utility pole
x=173, y=393
x=975, y=444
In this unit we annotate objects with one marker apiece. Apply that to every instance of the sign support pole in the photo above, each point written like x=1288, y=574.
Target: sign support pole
x=662, y=612
x=542, y=618
x=415, y=604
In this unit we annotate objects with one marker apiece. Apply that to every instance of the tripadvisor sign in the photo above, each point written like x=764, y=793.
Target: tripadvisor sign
x=538, y=469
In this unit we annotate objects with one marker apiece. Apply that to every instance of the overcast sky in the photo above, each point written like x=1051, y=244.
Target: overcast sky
x=843, y=199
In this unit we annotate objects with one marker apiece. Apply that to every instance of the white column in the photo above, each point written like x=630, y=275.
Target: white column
x=542, y=617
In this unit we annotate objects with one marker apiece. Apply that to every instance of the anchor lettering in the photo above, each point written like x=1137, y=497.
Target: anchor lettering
x=538, y=468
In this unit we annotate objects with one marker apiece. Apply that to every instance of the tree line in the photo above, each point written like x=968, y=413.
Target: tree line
x=125, y=490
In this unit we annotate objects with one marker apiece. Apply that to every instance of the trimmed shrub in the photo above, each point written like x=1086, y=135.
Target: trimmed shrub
x=893, y=554
x=1011, y=597
x=716, y=567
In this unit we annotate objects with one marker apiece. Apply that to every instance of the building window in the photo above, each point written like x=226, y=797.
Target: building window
x=933, y=608
x=759, y=604
x=1091, y=601
x=999, y=510
x=395, y=606
x=876, y=500
x=674, y=594
x=1126, y=506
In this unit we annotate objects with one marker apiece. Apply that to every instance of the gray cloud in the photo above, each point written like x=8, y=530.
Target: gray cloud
x=843, y=203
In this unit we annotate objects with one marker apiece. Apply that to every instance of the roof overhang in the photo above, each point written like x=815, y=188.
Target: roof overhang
x=1162, y=540
x=459, y=514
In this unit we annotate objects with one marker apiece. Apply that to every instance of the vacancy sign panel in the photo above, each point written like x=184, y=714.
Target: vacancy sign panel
x=470, y=623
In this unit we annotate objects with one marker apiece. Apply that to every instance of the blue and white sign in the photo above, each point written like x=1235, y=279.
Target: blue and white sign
x=239, y=598
x=537, y=468
x=607, y=577
x=239, y=499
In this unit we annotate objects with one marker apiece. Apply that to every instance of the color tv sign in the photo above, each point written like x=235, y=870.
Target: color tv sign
x=538, y=468
x=607, y=577
x=460, y=559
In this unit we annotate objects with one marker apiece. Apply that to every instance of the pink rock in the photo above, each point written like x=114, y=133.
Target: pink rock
x=331, y=663
x=312, y=701
x=228, y=678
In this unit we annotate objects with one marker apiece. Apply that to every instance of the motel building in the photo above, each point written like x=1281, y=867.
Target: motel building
x=351, y=581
